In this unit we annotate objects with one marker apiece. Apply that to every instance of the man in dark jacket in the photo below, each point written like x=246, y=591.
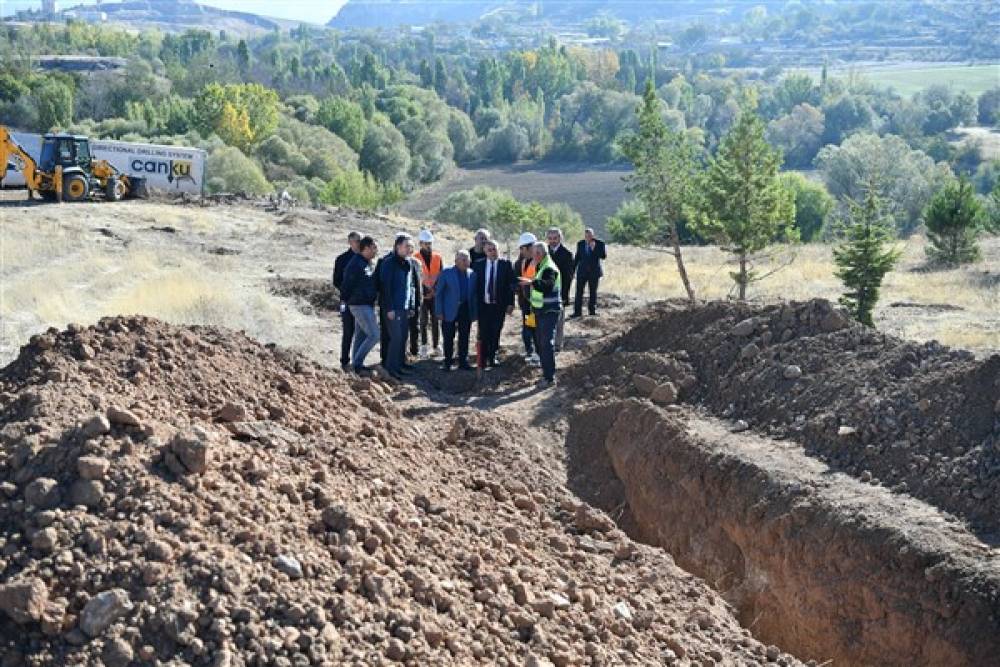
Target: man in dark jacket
x=478, y=252
x=359, y=290
x=384, y=321
x=590, y=252
x=563, y=258
x=546, y=302
x=398, y=299
x=346, y=318
x=494, y=298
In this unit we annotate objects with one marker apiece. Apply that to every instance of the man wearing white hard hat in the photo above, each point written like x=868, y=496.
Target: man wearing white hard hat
x=431, y=265
x=524, y=267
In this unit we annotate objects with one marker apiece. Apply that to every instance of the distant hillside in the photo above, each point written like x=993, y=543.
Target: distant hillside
x=168, y=16
x=388, y=13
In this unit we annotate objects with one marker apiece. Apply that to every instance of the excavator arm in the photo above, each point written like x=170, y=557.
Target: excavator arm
x=12, y=153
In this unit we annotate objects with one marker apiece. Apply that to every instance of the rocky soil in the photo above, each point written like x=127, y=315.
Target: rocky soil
x=185, y=495
x=918, y=419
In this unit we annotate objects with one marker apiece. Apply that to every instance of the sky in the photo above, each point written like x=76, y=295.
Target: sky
x=314, y=11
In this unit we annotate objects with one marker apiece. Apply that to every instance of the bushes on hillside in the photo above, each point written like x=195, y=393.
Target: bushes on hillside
x=813, y=205
x=229, y=170
x=504, y=215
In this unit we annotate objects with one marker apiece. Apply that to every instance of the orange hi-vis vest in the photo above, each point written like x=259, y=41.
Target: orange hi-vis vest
x=430, y=273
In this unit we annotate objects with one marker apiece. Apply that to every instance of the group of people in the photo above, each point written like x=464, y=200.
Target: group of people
x=407, y=301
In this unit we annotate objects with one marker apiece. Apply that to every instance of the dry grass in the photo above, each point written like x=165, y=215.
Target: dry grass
x=959, y=307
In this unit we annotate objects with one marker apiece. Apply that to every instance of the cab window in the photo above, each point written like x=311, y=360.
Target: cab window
x=83, y=152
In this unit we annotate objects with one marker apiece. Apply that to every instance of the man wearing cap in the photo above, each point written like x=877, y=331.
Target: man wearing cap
x=455, y=305
x=494, y=300
x=346, y=317
x=524, y=267
x=431, y=266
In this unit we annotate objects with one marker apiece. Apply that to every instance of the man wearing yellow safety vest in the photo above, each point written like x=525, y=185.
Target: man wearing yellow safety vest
x=431, y=264
x=546, y=303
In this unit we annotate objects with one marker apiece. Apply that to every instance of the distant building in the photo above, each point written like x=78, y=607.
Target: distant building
x=50, y=7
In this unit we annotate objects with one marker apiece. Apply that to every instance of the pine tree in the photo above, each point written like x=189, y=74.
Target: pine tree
x=953, y=218
x=862, y=259
x=746, y=208
x=665, y=173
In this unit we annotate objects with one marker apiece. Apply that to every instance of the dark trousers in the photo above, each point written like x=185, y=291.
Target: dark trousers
x=582, y=282
x=462, y=325
x=413, y=333
x=397, y=341
x=383, y=339
x=491, y=317
x=527, y=334
x=427, y=318
x=546, y=331
x=347, y=336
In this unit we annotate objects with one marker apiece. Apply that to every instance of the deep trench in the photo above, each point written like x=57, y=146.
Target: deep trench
x=814, y=562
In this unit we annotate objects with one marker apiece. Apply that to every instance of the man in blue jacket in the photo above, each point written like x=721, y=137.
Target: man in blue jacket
x=455, y=305
x=358, y=290
x=398, y=298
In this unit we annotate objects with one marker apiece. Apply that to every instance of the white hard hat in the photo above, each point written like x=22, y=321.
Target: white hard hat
x=426, y=236
x=527, y=238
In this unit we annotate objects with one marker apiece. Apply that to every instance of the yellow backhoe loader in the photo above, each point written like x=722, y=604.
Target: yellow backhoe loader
x=66, y=170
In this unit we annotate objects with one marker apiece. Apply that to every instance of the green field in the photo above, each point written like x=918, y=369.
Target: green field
x=973, y=79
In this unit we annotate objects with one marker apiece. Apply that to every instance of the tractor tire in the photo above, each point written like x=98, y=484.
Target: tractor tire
x=48, y=195
x=114, y=190
x=75, y=188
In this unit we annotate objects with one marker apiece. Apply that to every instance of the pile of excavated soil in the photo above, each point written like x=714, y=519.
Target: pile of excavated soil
x=916, y=418
x=317, y=297
x=188, y=496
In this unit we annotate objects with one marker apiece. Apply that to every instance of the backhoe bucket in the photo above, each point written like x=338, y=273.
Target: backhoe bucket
x=137, y=188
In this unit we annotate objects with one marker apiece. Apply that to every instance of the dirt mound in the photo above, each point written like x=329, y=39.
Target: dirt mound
x=188, y=495
x=316, y=296
x=917, y=418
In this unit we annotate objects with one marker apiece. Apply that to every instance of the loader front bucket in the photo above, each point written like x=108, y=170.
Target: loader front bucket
x=137, y=188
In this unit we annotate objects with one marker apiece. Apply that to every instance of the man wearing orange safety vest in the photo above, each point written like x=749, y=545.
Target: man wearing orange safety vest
x=431, y=264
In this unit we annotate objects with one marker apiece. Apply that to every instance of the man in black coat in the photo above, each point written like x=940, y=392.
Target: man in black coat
x=563, y=258
x=346, y=318
x=590, y=252
x=495, y=299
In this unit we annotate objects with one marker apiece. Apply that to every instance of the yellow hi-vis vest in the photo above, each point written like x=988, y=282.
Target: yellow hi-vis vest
x=540, y=301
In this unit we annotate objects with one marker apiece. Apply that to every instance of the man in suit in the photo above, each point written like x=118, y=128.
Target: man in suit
x=563, y=258
x=494, y=300
x=455, y=305
x=590, y=252
x=384, y=321
x=346, y=318
x=398, y=294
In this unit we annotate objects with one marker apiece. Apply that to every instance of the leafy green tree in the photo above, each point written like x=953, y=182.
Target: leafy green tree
x=241, y=114
x=907, y=178
x=53, y=101
x=665, y=174
x=632, y=224
x=953, y=218
x=799, y=135
x=230, y=170
x=384, y=153
x=243, y=57
x=844, y=115
x=351, y=187
x=813, y=204
x=344, y=118
x=988, y=107
x=862, y=259
x=745, y=207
